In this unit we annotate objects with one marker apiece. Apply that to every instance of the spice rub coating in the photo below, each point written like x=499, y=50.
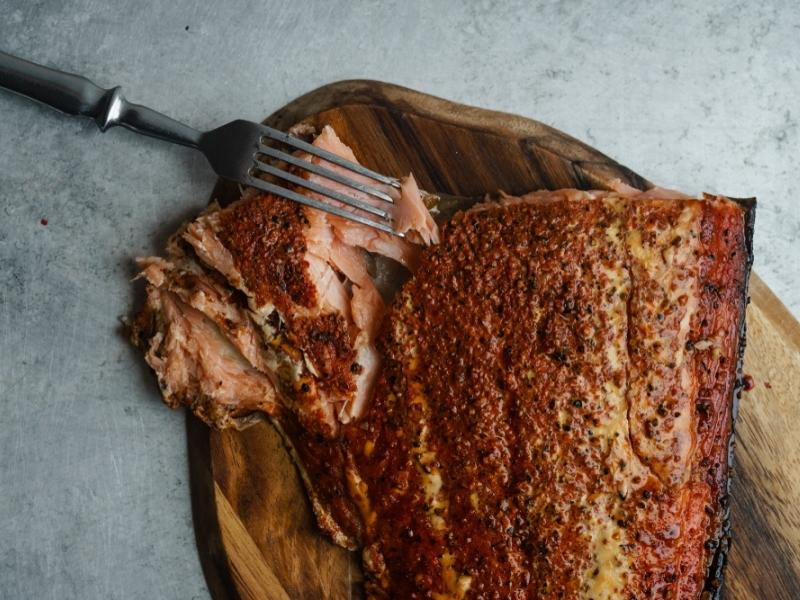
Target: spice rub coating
x=553, y=416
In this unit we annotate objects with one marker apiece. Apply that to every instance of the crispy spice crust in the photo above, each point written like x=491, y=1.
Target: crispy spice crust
x=326, y=340
x=529, y=438
x=322, y=463
x=266, y=236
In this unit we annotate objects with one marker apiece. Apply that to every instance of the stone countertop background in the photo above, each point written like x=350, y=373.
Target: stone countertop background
x=94, y=498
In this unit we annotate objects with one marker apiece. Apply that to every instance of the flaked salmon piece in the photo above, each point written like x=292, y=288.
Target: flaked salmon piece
x=368, y=309
x=367, y=306
x=200, y=235
x=197, y=365
x=369, y=362
x=409, y=213
x=372, y=240
x=412, y=216
x=408, y=209
x=332, y=295
x=349, y=261
x=196, y=288
x=318, y=233
x=319, y=241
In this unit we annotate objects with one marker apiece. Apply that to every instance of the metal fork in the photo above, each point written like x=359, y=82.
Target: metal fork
x=236, y=151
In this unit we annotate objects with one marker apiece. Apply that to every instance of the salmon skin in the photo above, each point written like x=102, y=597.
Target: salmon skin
x=544, y=410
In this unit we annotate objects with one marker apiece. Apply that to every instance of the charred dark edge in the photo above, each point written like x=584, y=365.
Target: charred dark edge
x=287, y=428
x=715, y=578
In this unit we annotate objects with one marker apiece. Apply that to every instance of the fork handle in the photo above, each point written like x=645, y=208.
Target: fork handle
x=76, y=95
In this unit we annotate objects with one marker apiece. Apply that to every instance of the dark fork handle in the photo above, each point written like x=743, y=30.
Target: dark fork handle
x=76, y=95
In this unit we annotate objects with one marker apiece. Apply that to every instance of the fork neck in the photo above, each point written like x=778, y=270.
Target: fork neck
x=144, y=120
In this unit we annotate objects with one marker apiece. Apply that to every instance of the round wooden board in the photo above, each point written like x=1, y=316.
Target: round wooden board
x=255, y=531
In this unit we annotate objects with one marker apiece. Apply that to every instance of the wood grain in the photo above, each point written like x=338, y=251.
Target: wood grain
x=765, y=556
x=255, y=532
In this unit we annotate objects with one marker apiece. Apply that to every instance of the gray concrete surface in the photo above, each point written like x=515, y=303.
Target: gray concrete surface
x=94, y=500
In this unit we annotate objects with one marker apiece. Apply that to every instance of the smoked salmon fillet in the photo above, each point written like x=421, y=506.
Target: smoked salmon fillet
x=544, y=410
x=554, y=414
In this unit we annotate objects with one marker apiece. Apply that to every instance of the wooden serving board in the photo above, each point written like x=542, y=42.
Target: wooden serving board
x=255, y=531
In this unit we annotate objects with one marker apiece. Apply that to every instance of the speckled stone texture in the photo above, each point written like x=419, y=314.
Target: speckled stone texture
x=94, y=499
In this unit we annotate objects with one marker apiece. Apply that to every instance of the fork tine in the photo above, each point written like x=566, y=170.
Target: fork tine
x=291, y=140
x=322, y=171
x=321, y=189
x=311, y=202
